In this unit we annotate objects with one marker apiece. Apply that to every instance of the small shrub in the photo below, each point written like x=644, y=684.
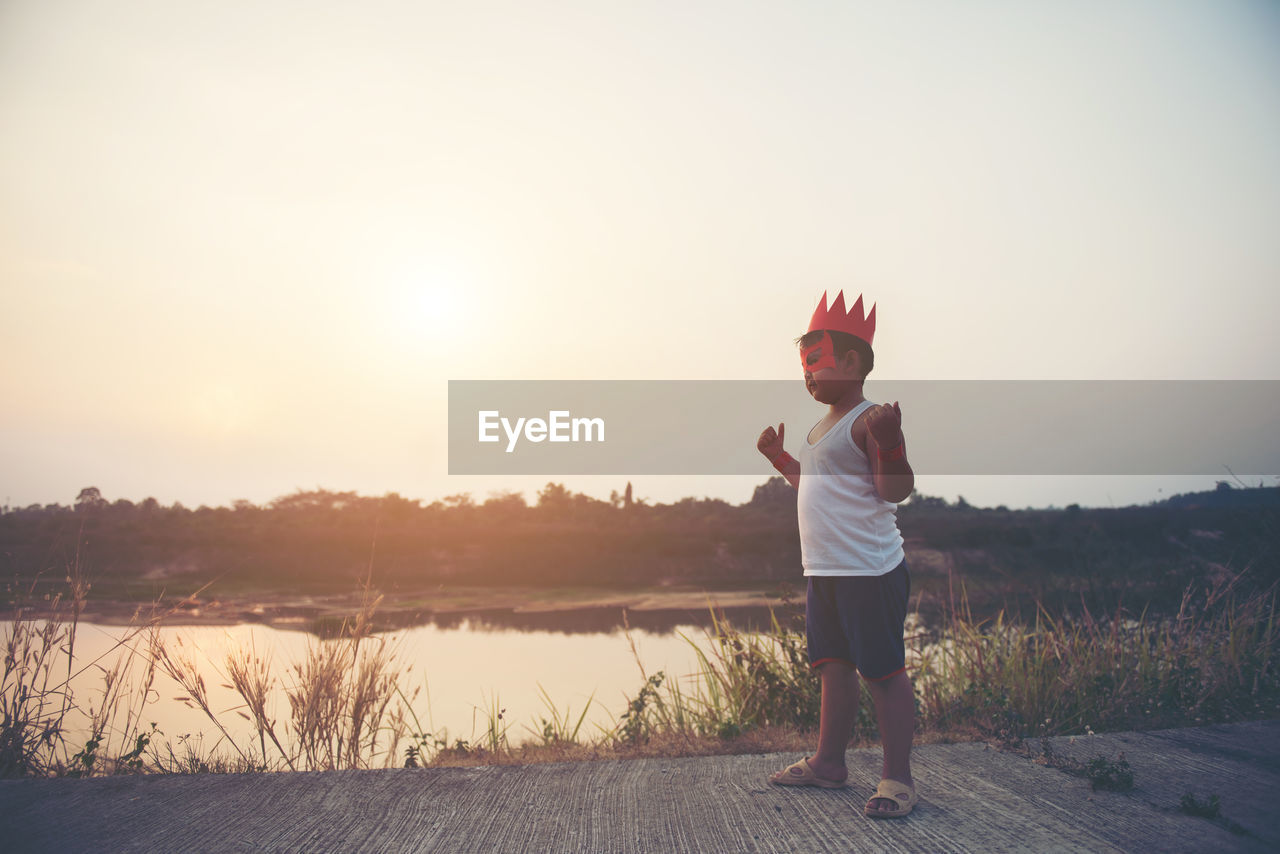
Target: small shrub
x=1193, y=806
x=635, y=725
x=1112, y=775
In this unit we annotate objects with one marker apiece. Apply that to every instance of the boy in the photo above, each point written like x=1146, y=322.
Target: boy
x=851, y=473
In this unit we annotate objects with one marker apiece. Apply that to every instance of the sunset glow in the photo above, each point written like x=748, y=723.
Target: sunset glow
x=241, y=256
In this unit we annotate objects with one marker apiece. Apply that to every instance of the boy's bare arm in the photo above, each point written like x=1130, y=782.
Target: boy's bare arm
x=887, y=450
x=770, y=444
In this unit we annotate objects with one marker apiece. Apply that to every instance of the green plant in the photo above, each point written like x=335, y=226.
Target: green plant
x=1102, y=772
x=635, y=725
x=133, y=759
x=744, y=681
x=1114, y=775
x=496, y=726
x=1191, y=805
x=755, y=679
x=82, y=761
x=556, y=729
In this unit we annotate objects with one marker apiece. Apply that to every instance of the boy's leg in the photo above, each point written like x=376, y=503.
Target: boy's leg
x=831, y=655
x=895, y=715
x=837, y=713
x=881, y=613
x=835, y=722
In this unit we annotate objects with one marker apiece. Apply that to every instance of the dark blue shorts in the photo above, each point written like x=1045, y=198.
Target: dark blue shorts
x=858, y=619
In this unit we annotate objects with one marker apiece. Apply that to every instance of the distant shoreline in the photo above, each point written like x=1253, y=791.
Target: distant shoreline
x=403, y=609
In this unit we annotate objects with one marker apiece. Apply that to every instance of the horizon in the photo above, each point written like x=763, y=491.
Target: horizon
x=532, y=501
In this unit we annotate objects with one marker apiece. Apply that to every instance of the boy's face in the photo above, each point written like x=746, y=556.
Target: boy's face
x=818, y=355
x=827, y=377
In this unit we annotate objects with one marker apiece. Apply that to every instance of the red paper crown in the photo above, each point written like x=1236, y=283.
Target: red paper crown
x=851, y=322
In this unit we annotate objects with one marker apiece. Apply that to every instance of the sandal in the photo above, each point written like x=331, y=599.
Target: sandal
x=891, y=790
x=801, y=774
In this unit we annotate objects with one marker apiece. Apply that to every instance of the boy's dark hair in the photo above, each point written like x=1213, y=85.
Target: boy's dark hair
x=843, y=342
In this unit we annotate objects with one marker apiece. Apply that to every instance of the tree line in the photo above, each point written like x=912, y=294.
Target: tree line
x=321, y=539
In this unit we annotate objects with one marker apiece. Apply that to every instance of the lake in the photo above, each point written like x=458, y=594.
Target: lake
x=464, y=667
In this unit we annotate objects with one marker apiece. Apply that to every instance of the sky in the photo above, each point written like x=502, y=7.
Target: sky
x=245, y=246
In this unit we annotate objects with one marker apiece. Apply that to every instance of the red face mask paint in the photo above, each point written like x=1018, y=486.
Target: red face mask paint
x=819, y=355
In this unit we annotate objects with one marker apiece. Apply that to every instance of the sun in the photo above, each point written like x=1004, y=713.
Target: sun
x=427, y=304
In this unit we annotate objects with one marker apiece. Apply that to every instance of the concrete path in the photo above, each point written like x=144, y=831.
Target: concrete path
x=973, y=799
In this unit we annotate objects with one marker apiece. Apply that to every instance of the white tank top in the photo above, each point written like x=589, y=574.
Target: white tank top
x=846, y=528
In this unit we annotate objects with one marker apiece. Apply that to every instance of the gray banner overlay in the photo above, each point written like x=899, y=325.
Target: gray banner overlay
x=710, y=427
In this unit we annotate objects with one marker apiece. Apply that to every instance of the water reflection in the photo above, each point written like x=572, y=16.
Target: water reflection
x=662, y=621
x=462, y=667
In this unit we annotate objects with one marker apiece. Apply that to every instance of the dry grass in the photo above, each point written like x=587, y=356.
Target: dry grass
x=38, y=706
x=994, y=680
x=347, y=706
x=764, y=740
x=1214, y=660
x=36, y=703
